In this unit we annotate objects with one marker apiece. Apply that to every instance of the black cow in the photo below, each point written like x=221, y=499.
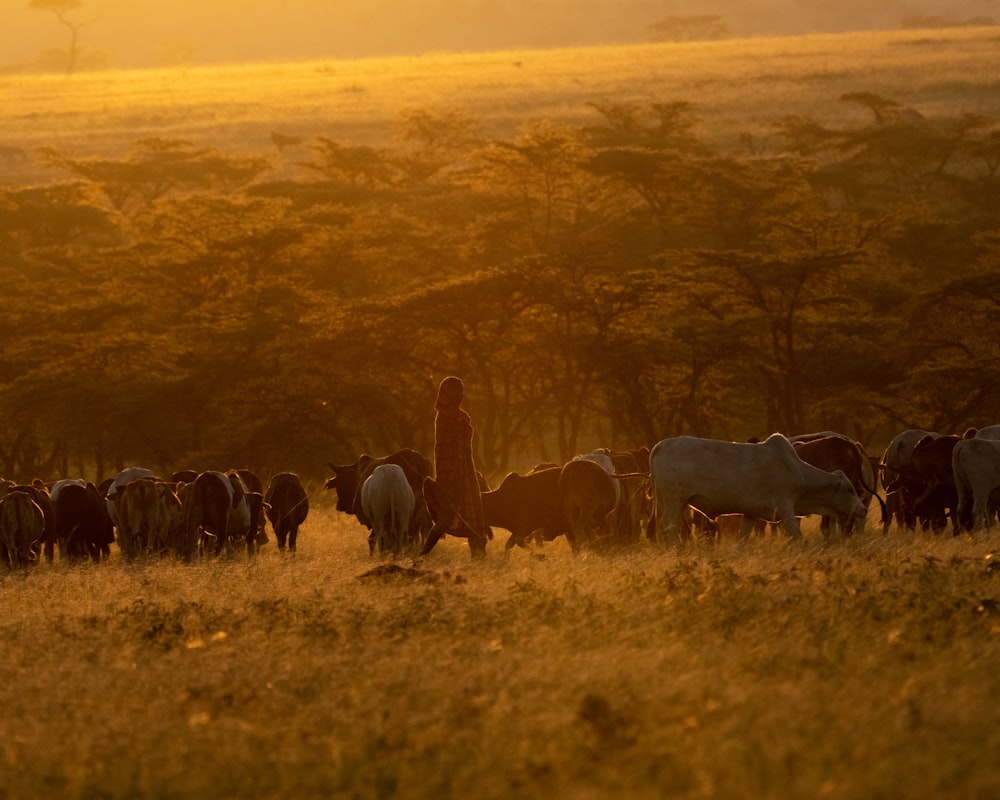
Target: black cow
x=588, y=495
x=523, y=504
x=216, y=506
x=286, y=506
x=83, y=526
x=931, y=464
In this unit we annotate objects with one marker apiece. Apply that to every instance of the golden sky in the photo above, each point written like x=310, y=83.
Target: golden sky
x=134, y=33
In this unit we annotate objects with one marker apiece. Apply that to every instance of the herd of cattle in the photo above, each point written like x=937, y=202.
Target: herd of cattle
x=185, y=515
x=682, y=487
x=687, y=486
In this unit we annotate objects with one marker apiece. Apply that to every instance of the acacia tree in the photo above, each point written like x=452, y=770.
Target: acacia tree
x=61, y=9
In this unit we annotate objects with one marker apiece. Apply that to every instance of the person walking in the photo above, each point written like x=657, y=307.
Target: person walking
x=453, y=494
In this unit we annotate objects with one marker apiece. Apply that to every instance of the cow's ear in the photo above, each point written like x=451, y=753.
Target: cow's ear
x=363, y=461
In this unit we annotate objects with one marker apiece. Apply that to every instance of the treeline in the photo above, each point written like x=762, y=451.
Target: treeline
x=608, y=285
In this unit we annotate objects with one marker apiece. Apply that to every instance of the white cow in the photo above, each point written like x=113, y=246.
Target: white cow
x=975, y=464
x=59, y=485
x=388, y=502
x=991, y=432
x=899, y=453
x=123, y=479
x=760, y=481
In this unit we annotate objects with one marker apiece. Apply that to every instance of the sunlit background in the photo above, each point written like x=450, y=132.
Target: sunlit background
x=149, y=33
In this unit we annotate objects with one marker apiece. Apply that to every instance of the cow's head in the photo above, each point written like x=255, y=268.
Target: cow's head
x=846, y=503
x=345, y=483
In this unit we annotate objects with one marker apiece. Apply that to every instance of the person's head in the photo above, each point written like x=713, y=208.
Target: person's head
x=450, y=393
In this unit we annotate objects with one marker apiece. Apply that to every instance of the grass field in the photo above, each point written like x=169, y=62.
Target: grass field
x=740, y=85
x=866, y=668
x=863, y=668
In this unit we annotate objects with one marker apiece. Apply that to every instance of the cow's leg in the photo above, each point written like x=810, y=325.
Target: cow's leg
x=891, y=510
x=791, y=523
x=293, y=534
x=981, y=515
x=747, y=526
x=671, y=519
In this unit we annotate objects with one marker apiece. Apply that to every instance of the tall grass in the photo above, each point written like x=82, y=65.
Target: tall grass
x=863, y=668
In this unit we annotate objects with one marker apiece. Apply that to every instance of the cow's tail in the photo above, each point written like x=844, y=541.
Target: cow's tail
x=653, y=525
x=874, y=493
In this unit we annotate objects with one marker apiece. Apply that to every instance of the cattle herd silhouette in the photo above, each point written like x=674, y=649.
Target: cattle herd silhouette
x=680, y=489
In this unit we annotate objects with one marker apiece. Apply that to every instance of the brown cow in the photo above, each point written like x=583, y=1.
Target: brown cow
x=838, y=453
x=216, y=507
x=588, y=496
x=150, y=519
x=287, y=506
x=22, y=528
x=39, y=494
x=931, y=464
x=523, y=504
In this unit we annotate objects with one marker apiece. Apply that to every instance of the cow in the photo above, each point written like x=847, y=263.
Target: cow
x=388, y=501
x=286, y=506
x=57, y=486
x=976, y=469
x=116, y=484
x=83, y=527
x=524, y=504
x=632, y=470
x=217, y=506
x=760, y=481
x=902, y=486
x=900, y=450
x=22, y=528
x=183, y=476
x=255, y=497
x=348, y=478
x=630, y=490
x=39, y=494
x=931, y=469
x=991, y=432
x=836, y=452
x=588, y=495
x=151, y=519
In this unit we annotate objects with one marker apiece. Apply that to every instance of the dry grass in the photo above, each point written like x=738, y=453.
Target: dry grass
x=741, y=85
x=865, y=668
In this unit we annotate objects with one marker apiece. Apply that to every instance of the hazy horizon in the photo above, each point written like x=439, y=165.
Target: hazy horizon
x=147, y=33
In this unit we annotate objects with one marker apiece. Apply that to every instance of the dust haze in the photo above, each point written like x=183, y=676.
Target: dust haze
x=148, y=33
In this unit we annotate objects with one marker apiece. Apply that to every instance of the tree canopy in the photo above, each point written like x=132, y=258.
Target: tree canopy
x=609, y=285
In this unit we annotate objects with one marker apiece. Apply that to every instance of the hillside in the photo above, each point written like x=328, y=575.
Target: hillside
x=738, y=85
x=130, y=34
